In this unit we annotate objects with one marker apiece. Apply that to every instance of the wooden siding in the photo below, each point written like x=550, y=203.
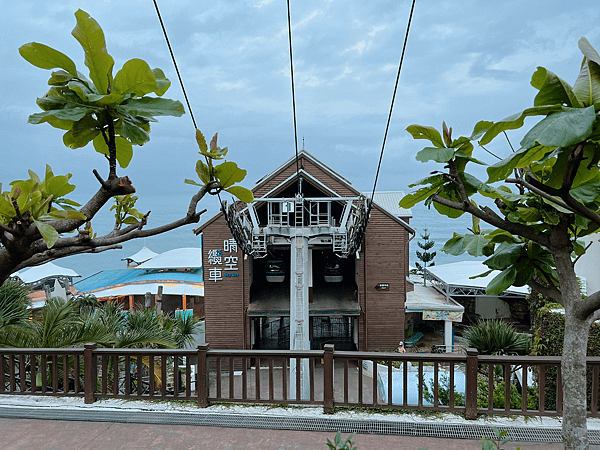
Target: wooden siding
x=317, y=172
x=223, y=305
x=385, y=261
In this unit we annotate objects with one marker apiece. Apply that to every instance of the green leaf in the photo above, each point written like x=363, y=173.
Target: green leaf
x=60, y=78
x=45, y=57
x=49, y=234
x=587, y=85
x=502, y=281
x=228, y=173
x=505, y=255
x=242, y=193
x=162, y=81
x=529, y=214
x=136, y=77
x=430, y=133
x=410, y=200
x=91, y=38
x=192, y=182
x=516, y=121
x=440, y=155
x=201, y=141
x=474, y=243
x=203, y=171
x=562, y=129
x=124, y=149
x=134, y=133
x=521, y=158
x=454, y=246
x=67, y=214
x=6, y=208
x=553, y=90
x=550, y=217
x=586, y=193
x=73, y=114
x=151, y=106
x=82, y=132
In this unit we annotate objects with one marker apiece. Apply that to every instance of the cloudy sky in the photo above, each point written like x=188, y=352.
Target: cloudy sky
x=465, y=61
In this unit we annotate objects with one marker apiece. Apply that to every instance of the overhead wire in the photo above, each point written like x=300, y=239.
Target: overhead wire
x=387, y=127
x=180, y=80
x=293, y=93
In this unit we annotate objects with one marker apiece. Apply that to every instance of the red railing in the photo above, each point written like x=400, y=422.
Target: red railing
x=408, y=381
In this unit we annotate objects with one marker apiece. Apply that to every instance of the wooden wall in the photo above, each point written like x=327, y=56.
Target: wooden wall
x=223, y=305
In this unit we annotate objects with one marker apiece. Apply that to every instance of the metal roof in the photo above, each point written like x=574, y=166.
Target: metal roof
x=110, y=283
x=455, y=279
x=46, y=271
x=179, y=258
x=143, y=255
x=389, y=201
x=429, y=298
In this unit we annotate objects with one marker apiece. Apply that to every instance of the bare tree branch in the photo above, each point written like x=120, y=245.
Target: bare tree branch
x=490, y=217
x=535, y=190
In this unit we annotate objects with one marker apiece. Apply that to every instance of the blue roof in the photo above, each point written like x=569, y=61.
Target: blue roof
x=107, y=278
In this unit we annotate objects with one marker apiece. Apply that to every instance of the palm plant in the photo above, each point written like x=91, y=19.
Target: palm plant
x=496, y=337
x=14, y=303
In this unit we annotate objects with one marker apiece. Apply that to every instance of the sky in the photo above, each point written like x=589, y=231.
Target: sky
x=465, y=61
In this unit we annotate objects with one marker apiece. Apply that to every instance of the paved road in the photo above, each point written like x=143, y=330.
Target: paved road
x=36, y=434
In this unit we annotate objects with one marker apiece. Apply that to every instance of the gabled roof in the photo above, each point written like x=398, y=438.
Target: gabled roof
x=389, y=200
x=292, y=160
x=304, y=154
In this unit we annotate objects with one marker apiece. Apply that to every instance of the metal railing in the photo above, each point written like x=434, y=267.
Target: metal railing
x=466, y=383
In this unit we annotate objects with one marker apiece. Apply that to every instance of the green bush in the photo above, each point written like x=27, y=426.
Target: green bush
x=496, y=337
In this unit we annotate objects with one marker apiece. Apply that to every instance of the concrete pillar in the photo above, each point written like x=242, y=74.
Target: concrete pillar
x=448, y=335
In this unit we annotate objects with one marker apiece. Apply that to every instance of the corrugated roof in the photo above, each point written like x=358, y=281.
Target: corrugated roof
x=139, y=281
x=389, y=201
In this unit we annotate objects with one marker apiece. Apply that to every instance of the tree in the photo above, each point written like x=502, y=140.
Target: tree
x=425, y=256
x=551, y=197
x=14, y=303
x=114, y=114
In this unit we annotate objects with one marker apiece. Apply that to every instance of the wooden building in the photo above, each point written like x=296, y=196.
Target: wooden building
x=355, y=278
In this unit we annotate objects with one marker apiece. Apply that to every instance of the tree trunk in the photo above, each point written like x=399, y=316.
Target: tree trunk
x=574, y=383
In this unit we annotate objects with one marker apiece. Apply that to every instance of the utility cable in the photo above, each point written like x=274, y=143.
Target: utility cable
x=392, y=105
x=293, y=93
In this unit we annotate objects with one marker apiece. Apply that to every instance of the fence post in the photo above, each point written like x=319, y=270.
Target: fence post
x=471, y=385
x=202, y=376
x=90, y=372
x=328, y=379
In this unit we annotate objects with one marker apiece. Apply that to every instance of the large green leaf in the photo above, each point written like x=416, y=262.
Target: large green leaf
x=455, y=245
x=410, y=200
x=430, y=133
x=515, y=121
x=241, y=193
x=502, y=281
x=49, y=234
x=124, y=149
x=440, y=155
x=136, y=77
x=587, y=85
x=134, y=133
x=150, y=106
x=45, y=57
x=91, y=38
x=553, y=90
x=474, y=243
x=562, y=129
x=73, y=114
x=82, y=132
x=228, y=173
x=505, y=255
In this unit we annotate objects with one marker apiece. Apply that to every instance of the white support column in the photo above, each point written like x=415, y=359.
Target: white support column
x=299, y=324
x=448, y=335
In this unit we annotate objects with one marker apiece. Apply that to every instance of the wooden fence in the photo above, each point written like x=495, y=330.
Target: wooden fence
x=468, y=383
